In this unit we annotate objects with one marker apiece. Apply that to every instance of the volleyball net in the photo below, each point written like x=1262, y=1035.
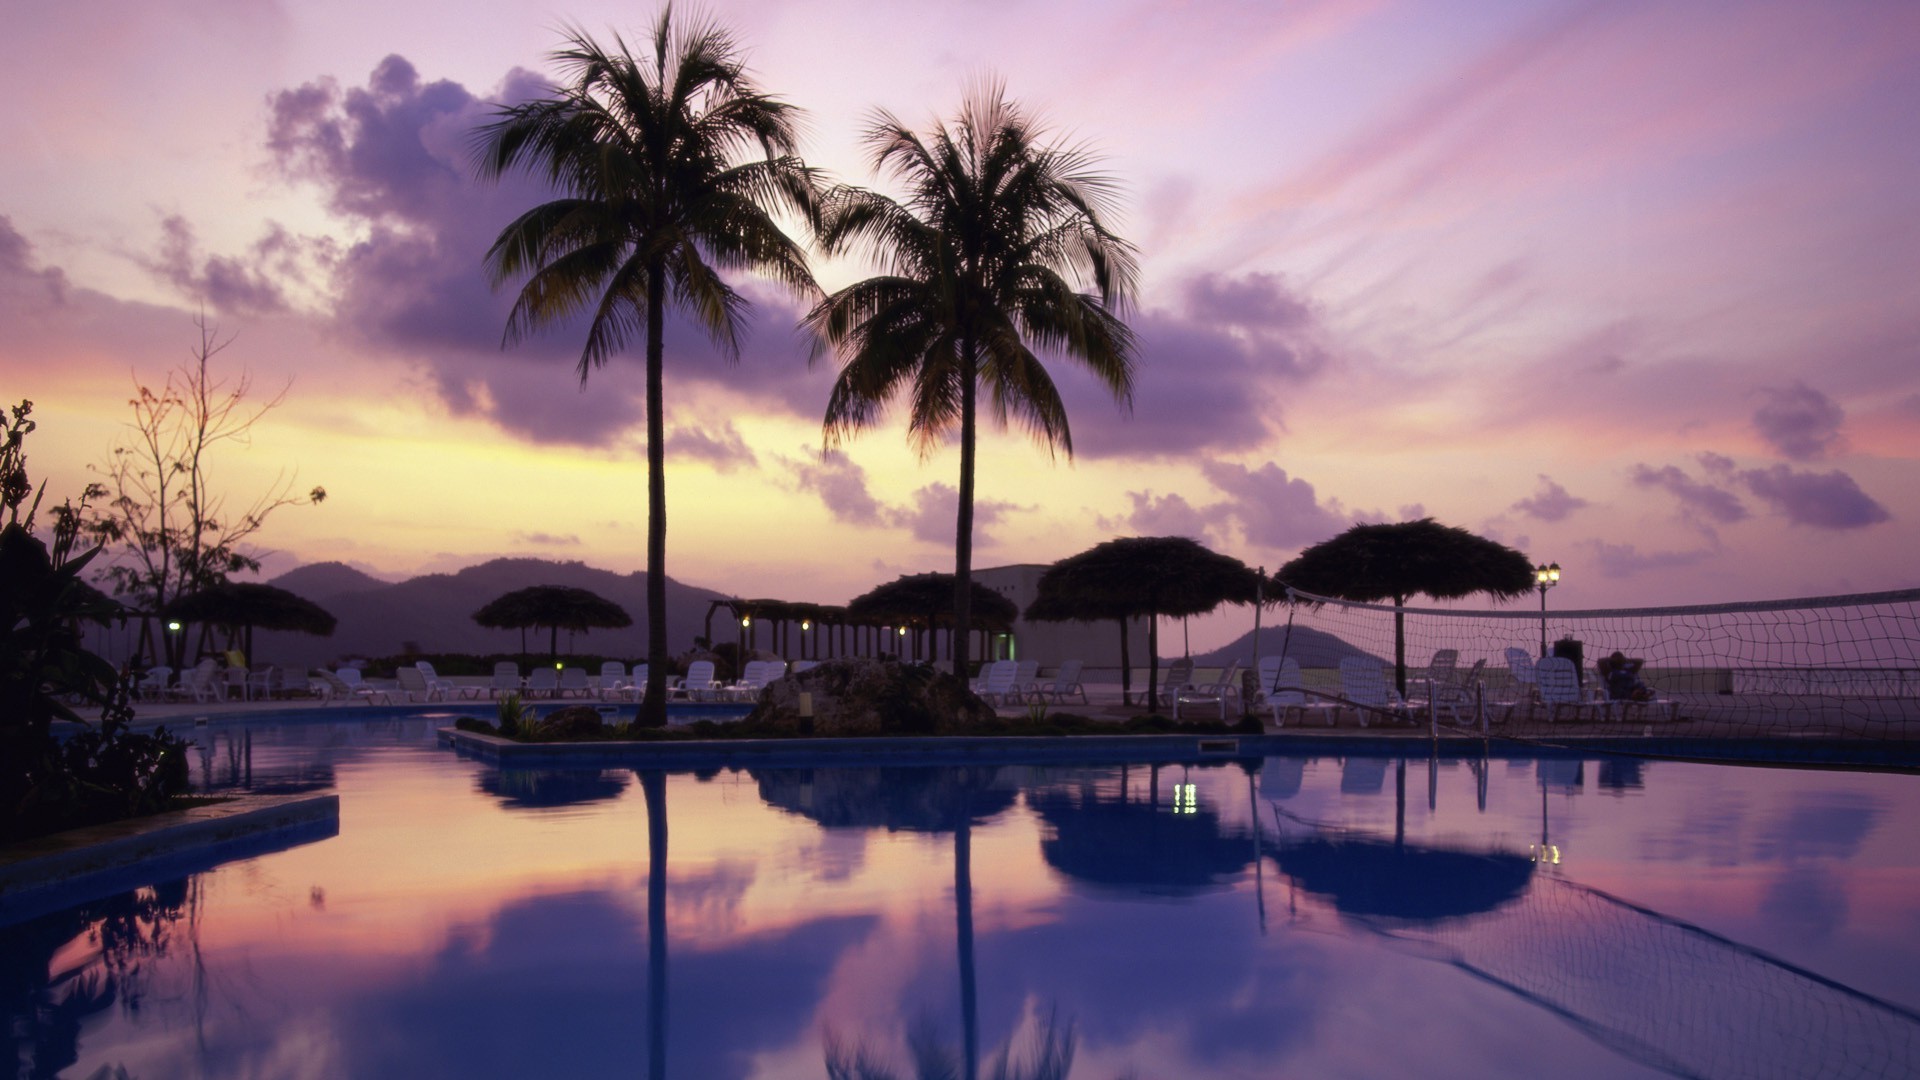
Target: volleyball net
x=1839, y=666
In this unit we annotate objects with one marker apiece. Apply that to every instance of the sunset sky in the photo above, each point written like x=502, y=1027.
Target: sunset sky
x=1633, y=287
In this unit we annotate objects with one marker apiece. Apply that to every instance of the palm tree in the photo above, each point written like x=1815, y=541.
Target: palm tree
x=669, y=168
x=982, y=264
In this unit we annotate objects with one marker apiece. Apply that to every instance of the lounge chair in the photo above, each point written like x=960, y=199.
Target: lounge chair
x=613, y=680
x=543, y=681
x=1457, y=695
x=335, y=688
x=447, y=687
x=1364, y=689
x=1217, y=692
x=1654, y=708
x=1179, y=676
x=153, y=685
x=1559, y=684
x=573, y=681
x=996, y=685
x=755, y=679
x=699, y=685
x=415, y=687
x=1288, y=697
x=198, y=682
x=1523, y=689
x=1026, y=678
x=1065, y=681
x=635, y=688
x=506, y=679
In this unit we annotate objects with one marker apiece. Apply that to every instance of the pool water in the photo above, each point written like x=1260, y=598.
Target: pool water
x=1282, y=916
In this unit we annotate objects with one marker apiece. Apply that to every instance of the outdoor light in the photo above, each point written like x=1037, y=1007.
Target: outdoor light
x=806, y=624
x=746, y=620
x=173, y=627
x=1544, y=578
x=903, y=631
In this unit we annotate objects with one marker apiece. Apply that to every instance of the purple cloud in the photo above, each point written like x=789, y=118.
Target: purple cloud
x=239, y=286
x=1829, y=500
x=1170, y=515
x=1551, y=503
x=545, y=539
x=841, y=485
x=393, y=155
x=724, y=449
x=1697, y=499
x=1626, y=560
x=1274, y=509
x=935, y=514
x=19, y=279
x=1196, y=369
x=1800, y=422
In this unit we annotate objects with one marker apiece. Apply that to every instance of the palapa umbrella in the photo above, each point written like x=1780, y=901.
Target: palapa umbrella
x=1371, y=563
x=247, y=604
x=927, y=600
x=555, y=607
x=1138, y=576
x=1135, y=846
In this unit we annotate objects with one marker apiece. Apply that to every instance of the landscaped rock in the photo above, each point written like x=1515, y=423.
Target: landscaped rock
x=572, y=722
x=870, y=697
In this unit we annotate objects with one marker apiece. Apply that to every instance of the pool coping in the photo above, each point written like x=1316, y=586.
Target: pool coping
x=60, y=869
x=1020, y=749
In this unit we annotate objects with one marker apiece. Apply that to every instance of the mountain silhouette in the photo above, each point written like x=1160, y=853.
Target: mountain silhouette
x=434, y=612
x=1312, y=648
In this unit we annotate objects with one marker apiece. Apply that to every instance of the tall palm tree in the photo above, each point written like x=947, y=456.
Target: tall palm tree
x=669, y=168
x=983, y=263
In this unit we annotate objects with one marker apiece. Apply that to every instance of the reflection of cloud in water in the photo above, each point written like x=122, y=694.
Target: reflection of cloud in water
x=1823, y=824
x=1807, y=900
x=1708, y=830
x=578, y=962
x=834, y=854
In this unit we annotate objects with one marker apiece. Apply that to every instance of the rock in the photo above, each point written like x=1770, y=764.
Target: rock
x=858, y=696
x=572, y=722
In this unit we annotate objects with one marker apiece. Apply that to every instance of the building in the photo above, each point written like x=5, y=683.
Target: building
x=1096, y=644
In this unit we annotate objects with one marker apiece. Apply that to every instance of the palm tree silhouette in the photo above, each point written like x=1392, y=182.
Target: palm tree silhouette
x=981, y=264
x=669, y=168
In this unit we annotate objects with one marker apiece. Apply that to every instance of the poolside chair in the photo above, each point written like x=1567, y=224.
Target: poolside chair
x=1520, y=666
x=613, y=680
x=543, y=681
x=1559, y=684
x=1065, y=681
x=1216, y=692
x=698, y=685
x=506, y=679
x=1265, y=674
x=1457, y=695
x=996, y=684
x=447, y=687
x=1364, y=689
x=153, y=685
x=636, y=687
x=265, y=683
x=338, y=689
x=1026, y=678
x=1653, y=708
x=197, y=682
x=1288, y=696
x=414, y=685
x=1179, y=676
x=573, y=680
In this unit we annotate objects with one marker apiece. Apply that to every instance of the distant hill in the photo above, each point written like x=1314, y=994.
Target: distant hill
x=435, y=612
x=1312, y=648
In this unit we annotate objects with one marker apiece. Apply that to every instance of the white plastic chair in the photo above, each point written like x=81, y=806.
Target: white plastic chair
x=698, y=684
x=153, y=686
x=1559, y=683
x=1216, y=692
x=1364, y=687
x=1065, y=681
x=573, y=680
x=506, y=679
x=543, y=681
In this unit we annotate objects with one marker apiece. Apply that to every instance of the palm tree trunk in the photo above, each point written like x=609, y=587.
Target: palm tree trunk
x=1126, y=666
x=963, y=531
x=653, y=785
x=1153, y=660
x=963, y=933
x=653, y=710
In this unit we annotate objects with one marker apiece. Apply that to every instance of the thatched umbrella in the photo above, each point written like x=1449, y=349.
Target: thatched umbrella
x=1371, y=563
x=247, y=604
x=1138, y=576
x=555, y=607
x=926, y=600
x=1115, y=842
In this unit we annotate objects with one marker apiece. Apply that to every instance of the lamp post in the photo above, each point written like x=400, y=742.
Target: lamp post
x=1544, y=578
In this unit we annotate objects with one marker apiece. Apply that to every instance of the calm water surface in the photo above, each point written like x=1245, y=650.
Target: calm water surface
x=1274, y=917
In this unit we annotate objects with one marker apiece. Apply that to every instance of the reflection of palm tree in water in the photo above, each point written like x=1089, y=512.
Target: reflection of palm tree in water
x=45, y=1009
x=653, y=786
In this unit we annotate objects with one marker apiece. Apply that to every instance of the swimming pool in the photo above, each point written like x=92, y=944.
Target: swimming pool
x=1356, y=915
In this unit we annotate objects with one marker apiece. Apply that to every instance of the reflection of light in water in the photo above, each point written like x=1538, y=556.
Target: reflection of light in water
x=1186, y=798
